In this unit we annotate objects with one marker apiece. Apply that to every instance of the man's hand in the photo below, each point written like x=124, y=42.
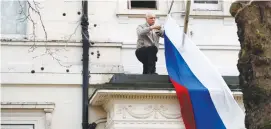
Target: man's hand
x=157, y=27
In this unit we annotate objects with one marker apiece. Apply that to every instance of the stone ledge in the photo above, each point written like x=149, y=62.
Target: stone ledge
x=157, y=81
x=101, y=97
x=27, y=105
x=115, y=44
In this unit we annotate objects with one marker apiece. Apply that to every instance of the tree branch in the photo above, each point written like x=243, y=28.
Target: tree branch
x=36, y=9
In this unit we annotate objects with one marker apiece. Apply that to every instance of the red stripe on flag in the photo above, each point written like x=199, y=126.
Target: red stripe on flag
x=186, y=105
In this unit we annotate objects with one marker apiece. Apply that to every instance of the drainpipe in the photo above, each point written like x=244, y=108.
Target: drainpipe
x=85, y=72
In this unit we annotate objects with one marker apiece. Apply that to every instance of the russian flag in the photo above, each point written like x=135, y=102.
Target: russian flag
x=205, y=99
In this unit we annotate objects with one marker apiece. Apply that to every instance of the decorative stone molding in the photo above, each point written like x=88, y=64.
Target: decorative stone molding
x=37, y=105
x=145, y=111
x=238, y=96
x=103, y=96
x=148, y=109
x=48, y=108
x=48, y=117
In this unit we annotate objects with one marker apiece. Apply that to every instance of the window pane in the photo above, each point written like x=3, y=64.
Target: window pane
x=143, y=4
x=11, y=17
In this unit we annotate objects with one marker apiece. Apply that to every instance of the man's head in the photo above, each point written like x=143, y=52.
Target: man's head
x=150, y=18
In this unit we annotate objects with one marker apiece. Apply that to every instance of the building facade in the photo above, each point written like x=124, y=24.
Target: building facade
x=41, y=61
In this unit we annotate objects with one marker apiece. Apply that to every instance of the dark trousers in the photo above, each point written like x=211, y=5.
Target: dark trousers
x=147, y=56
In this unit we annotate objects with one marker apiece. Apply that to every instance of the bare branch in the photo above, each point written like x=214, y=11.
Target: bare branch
x=38, y=12
x=36, y=9
x=70, y=36
x=28, y=17
x=32, y=8
x=61, y=63
x=53, y=54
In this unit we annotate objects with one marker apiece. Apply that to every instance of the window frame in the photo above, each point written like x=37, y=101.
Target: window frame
x=123, y=12
x=207, y=7
x=130, y=8
x=31, y=126
x=18, y=36
x=28, y=119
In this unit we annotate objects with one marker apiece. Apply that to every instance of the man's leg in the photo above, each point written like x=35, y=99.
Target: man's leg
x=141, y=56
x=145, y=68
x=152, y=58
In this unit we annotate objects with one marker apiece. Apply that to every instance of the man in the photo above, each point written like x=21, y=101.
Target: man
x=148, y=43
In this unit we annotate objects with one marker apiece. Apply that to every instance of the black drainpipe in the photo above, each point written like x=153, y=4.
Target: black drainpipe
x=86, y=45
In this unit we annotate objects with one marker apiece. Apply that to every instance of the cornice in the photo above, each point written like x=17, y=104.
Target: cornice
x=27, y=105
x=104, y=96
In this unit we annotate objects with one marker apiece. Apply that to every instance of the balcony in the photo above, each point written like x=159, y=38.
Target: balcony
x=147, y=101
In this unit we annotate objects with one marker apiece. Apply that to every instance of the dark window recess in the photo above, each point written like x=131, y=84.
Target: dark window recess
x=135, y=4
x=206, y=1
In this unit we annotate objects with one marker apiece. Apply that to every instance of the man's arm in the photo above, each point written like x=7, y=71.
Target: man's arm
x=143, y=30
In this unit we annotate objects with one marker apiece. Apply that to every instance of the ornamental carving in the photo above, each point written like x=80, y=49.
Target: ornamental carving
x=149, y=111
x=143, y=109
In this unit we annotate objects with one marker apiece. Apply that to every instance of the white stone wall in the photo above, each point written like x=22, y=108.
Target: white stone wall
x=67, y=109
x=67, y=99
x=114, y=37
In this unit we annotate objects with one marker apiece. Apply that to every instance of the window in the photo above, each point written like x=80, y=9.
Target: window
x=17, y=126
x=138, y=4
x=138, y=8
x=13, y=14
x=210, y=5
x=206, y=1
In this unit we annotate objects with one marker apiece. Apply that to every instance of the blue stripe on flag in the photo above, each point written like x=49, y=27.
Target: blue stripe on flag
x=206, y=116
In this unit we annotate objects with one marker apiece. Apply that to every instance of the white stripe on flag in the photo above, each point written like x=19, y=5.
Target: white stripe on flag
x=228, y=109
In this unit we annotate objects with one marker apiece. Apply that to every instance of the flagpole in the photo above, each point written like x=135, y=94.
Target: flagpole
x=170, y=6
x=186, y=19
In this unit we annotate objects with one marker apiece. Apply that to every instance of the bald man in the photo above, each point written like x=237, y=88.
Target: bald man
x=148, y=43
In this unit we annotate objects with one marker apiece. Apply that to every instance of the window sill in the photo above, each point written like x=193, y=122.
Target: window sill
x=139, y=13
x=13, y=36
x=209, y=14
x=28, y=105
x=193, y=13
